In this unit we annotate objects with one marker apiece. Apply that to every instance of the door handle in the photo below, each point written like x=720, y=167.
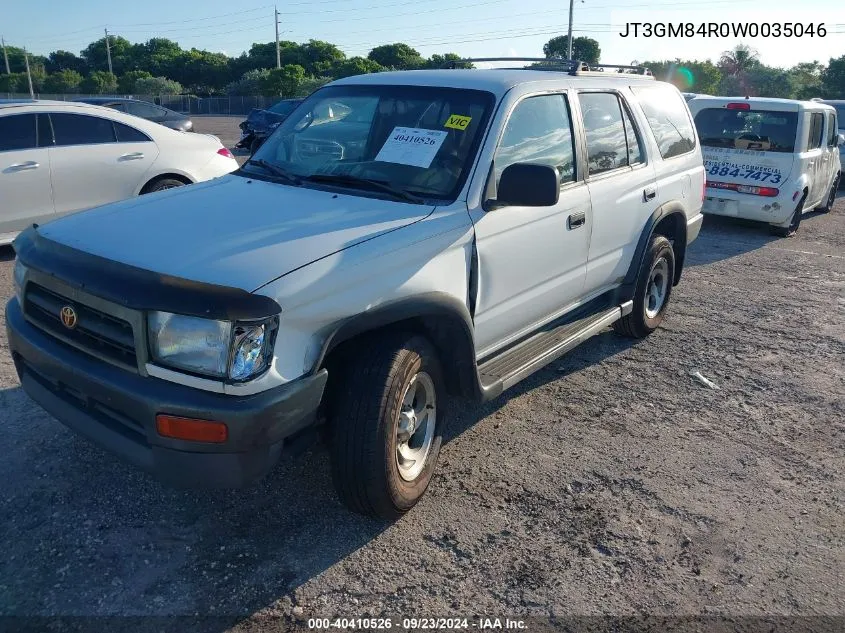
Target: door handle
x=650, y=193
x=576, y=220
x=30, y=164
x=132, y=156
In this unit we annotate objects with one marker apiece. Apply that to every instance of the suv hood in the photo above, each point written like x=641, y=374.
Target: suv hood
x=232, y=231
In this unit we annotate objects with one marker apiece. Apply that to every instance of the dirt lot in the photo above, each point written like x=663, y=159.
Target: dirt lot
x=609, y=483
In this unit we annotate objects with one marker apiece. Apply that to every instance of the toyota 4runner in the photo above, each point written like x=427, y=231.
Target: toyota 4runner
x=400, y=237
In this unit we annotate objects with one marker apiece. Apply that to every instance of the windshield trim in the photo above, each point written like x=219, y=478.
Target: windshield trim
x=485, y=98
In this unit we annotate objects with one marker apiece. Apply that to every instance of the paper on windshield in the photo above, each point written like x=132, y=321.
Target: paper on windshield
x=411, y=146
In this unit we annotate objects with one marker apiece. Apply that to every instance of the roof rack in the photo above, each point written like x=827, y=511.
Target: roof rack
x=557, y=64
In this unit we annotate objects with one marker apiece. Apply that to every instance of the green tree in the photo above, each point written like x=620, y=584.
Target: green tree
x=122, y=55
x=284, y=81
x=355, y=66
x=739, y=60
x=64, y=60
x=687, y=75
x=833, y=79
x=63, y=82
x=766, y=81
x=439, y=61
x=126, y=83
x=318, y=57
x=399, y=56
x=806, y=80
x=99, y=82
x=250, y=83
x=310, y=84
x=203, y=71
x=584, y=49
x=157, y=86
x=17, y=63
x=16, y=82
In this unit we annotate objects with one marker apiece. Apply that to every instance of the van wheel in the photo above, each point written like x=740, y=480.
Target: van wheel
x=831, y=198
x=789, y=231
x=386, y=427
x=654, y=285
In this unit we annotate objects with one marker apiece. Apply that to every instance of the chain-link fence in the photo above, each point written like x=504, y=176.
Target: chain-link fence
x=186, y=104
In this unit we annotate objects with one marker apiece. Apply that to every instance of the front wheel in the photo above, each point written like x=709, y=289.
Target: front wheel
x=163, y=184
x=654, y=285
x=386, y=426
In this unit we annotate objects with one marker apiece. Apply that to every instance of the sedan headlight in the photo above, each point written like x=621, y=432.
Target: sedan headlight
x=19, y=274
x=220, y=349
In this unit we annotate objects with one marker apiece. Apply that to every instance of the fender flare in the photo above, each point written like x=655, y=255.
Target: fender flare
x=663, y=211
x=441, y=317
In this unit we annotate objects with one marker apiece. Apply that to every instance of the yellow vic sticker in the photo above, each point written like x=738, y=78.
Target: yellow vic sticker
x=458, y=122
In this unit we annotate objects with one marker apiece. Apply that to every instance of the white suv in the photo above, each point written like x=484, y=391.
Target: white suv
x=770, y=160
x=401, y=236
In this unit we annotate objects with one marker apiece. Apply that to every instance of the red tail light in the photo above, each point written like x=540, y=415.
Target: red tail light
x=738, y=106
x=769, y=192
x=224, y=152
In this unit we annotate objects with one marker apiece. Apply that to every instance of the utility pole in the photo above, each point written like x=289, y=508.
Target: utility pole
x=6, y=56
x=569, y=39
x=28, y=74
x=278, y=52
x=108, y=50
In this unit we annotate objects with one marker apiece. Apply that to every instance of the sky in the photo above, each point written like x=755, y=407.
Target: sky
x=471, y=28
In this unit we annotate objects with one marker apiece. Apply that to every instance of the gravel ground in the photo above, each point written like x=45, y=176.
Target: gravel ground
x=611, y=482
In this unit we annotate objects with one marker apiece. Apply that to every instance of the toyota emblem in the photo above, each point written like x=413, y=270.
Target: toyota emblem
x=69, y=318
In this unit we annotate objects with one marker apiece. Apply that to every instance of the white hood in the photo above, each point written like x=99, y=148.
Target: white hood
x=231, y=231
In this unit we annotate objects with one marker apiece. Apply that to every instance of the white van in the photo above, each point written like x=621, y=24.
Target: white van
x=770, y=160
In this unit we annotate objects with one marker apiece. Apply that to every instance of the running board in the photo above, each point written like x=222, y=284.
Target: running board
x=508, y=368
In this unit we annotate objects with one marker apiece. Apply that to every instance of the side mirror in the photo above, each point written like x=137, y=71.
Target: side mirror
x=528, y=185
x=840, y=140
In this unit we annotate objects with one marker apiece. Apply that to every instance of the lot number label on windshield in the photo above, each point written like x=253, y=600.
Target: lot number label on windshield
x=411, y=146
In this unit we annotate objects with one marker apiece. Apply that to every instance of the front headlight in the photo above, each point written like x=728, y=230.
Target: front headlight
x=19, y=274
x=219, y=349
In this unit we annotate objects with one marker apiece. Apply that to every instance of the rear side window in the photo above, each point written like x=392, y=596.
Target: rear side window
x=607, y=145
x=127, y=134
x=117, y=106
x=145, y=110
x=538, y=131
x=81, y=129
x=832, y=132
x=760, y=130
x=668, y=117
x=17, y=132
x=814, y=141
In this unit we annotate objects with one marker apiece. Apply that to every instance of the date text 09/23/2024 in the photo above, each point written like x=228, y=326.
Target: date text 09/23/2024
x=416, y=624
x=722, y=29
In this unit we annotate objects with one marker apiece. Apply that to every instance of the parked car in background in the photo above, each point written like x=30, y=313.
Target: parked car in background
x=839, y=104
x=57, y=157
x=770, y=160
x=259, y=124
x=146, y=110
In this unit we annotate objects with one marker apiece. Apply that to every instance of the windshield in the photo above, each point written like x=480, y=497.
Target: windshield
x=417, y=139
x=283, y=107
x=748, y=129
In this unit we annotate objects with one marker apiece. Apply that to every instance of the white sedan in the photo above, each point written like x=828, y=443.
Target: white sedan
x=58, y=157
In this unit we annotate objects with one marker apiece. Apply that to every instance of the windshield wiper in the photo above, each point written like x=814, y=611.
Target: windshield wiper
x=276, y=170
x=365, y=183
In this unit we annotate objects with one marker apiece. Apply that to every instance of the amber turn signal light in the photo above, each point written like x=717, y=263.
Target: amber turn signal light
x=191, y=430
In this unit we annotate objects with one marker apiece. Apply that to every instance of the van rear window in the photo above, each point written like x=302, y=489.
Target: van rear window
x=760, y=130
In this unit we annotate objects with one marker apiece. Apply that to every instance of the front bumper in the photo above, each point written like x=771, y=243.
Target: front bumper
x=116, y=409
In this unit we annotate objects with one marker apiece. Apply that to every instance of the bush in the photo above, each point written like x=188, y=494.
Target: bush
x=63, y=82
x=249, y=84
x=98, y=83
x=157, y=86
x=126, y=83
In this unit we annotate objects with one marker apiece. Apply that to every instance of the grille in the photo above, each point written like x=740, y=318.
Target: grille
x=100, y=334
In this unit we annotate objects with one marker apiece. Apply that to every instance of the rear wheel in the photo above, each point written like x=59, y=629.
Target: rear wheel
x=386, y=425
x=654, y=286
x=794, y=223
x=831, y=198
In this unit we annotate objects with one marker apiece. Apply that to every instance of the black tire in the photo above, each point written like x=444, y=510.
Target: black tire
x=642, y=321
x=789, y=231
x=161, y=184
x=827, y=207
x=365, y=421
